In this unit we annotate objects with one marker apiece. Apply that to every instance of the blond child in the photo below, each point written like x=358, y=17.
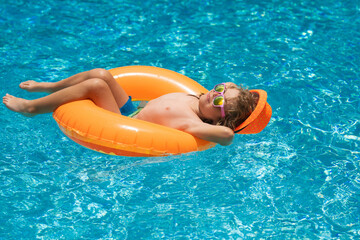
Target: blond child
x=211, y=116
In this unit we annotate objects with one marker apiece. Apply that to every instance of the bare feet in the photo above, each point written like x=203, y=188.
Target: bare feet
x=33, y=86
x=17, y=105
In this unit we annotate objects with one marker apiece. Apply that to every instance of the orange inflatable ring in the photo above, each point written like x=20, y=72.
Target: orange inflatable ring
x=111, y=133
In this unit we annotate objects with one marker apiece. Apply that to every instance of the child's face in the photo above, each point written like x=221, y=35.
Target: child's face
x=207, y=109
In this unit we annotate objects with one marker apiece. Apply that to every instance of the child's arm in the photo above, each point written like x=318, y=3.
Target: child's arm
x=218, y=134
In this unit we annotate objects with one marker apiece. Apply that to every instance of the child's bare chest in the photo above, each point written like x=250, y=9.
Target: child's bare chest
x=166, y=108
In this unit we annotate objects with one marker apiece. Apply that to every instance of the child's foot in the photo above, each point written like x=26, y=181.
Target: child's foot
x=17, y=105
x=33, y=86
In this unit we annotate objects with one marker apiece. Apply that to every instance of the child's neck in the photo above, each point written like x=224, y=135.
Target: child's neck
x=196, y=108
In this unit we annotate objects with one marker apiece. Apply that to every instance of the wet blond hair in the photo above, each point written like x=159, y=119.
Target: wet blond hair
x=239, y=108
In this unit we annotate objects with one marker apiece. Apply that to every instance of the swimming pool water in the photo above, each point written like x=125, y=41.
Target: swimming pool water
x=298, y=179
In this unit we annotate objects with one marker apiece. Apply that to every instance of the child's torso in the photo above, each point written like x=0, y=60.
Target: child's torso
x=169, y=110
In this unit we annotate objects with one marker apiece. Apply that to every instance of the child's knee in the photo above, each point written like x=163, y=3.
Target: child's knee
x=99, y=73
x=96, y=84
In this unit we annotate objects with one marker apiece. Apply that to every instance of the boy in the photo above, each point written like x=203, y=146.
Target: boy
x=212, y=116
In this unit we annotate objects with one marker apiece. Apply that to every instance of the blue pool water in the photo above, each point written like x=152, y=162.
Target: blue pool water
x=298, y=179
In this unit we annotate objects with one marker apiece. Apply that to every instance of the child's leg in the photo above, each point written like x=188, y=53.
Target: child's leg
x=95, y=89
x=119, y=94
x=51, y=87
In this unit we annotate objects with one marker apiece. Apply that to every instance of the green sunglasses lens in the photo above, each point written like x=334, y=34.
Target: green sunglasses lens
x=219, y=101
x=219, y=88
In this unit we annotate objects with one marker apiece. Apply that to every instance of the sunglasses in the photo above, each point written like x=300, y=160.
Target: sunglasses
x=219, y=100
